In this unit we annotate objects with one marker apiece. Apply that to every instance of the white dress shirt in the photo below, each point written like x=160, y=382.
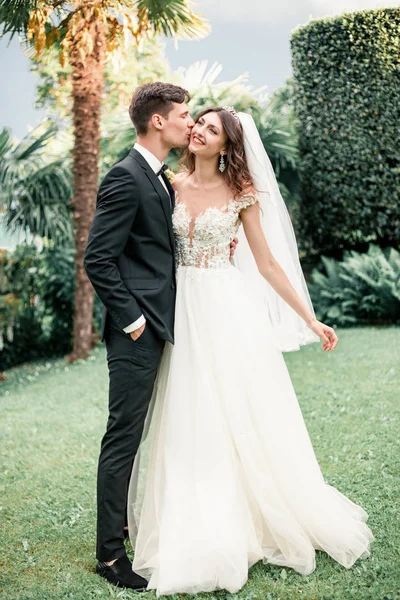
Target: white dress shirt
x=156, y=165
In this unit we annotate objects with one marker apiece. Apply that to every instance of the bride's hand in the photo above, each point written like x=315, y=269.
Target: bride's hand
x=233, y=245
x=326, y=333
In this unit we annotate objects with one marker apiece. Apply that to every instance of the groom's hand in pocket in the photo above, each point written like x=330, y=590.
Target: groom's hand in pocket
x=135, y=335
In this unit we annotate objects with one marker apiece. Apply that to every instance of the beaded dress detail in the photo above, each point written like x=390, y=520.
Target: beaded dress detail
x=204, y=241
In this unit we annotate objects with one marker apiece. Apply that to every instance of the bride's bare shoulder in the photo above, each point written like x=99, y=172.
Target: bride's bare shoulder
x=247, y=198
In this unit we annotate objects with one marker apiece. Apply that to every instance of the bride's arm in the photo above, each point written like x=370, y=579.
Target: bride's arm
x=276, y=276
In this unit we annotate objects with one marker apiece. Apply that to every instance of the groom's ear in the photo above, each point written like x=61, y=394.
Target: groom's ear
x=157, y=121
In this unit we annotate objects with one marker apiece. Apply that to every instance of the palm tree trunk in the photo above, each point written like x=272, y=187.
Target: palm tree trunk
x=88, y=85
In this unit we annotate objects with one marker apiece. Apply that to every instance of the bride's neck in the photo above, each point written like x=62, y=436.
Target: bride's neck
x=205, y=172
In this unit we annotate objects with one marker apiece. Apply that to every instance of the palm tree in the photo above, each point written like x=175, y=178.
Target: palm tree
x=88, y=31
x=34, y=191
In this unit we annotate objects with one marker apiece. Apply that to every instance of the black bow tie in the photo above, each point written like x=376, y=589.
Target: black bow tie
x=161, y=171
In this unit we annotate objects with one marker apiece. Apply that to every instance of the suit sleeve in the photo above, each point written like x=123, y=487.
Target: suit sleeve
x=117, y=204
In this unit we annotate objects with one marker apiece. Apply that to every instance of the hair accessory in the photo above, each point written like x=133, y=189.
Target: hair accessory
x=222, y=164
x=232, y=111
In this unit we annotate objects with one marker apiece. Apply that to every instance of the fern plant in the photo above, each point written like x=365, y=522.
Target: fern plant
x=361, y=289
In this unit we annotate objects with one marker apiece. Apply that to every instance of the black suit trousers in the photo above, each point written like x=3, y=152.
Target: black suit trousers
x=132, y=369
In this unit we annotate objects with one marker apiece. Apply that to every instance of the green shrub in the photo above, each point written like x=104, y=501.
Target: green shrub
x=21, y=314
x=36, y=303
x=347, y=99
x=56, y=289
x=362, y=289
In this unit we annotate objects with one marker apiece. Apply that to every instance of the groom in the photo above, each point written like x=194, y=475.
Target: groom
x=130, y=261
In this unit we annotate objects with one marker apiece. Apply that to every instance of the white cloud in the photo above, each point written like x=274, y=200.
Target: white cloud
x=272, y=11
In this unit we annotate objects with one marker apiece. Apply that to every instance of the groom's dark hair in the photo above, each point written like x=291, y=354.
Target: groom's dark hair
x=152, y=98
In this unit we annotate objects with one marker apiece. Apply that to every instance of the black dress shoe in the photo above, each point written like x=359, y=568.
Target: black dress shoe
x=120, y=574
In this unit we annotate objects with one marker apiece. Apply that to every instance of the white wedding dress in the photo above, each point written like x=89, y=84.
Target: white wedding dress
x=229, y=476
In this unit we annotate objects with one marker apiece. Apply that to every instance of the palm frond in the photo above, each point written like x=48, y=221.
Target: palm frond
x=117, y=139
x=198, y=74
x=14, y=15
x=31, y=144
x=34, y=192
x=5, y=142
x=173, y=18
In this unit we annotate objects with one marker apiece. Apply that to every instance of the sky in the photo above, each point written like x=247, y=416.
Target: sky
x=248, y=36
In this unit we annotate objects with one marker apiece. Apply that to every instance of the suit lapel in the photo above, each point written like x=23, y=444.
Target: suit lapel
x=165, y=199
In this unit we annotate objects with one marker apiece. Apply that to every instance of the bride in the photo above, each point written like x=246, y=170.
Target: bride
x=226, y=475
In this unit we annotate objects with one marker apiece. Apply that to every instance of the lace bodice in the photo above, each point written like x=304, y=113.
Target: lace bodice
x=204, y=241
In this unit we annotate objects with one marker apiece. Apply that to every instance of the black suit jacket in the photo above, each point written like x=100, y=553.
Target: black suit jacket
x=130, y=256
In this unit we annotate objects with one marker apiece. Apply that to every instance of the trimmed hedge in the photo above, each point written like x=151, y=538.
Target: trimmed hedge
x=347, y=100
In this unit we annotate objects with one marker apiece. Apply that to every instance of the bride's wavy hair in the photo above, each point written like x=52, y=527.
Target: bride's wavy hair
x=237, y=175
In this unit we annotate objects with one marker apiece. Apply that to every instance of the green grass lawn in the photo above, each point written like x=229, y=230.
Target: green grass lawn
x=53, y=417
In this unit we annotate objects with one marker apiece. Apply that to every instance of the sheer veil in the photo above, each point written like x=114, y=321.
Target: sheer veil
x=291, y=331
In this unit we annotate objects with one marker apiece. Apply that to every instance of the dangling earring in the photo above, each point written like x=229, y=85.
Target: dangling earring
x=222, y=165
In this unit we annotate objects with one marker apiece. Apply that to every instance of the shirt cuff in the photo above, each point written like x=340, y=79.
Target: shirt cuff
x=133, y=326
